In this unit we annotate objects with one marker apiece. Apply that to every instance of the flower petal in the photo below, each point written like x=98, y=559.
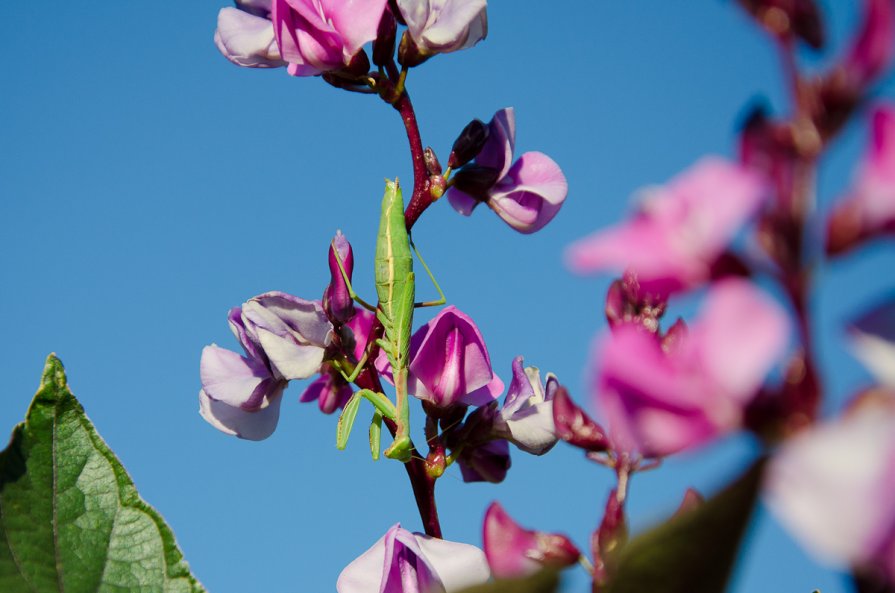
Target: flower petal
x=253, y=426
x=232, y=379
x=247, y=40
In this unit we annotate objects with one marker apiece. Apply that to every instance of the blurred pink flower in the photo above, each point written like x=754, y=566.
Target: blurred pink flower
x=868, y=209
x=873, y=48
x=832, y=487
x=663, y=396
x=679, y=231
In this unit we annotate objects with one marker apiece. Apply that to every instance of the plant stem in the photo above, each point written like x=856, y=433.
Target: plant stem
x=421, y=199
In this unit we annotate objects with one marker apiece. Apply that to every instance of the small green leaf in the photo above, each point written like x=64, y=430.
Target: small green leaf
x=346, y=421
x=545, y=581
x=693, y=552
x=375, y=434
x=70, y=518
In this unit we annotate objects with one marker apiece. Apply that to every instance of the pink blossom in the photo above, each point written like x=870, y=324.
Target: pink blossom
x=525, y=194
x=868, y=209
x=404, y=562
x=660, y=397
x=679, y=231
x=441, y=26
x=316, y=36
x=832, y=487
x=513, y=551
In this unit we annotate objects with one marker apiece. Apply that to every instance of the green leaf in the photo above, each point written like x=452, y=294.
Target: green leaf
x=70, y=518
x=346, y=421
x=693, y=552
x=545, y=581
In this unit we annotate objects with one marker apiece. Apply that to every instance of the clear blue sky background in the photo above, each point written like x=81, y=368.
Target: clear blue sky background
x=147, y=185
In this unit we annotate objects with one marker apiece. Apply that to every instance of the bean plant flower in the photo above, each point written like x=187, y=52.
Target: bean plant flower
x=283, y=337
x=513, y=551
x=868, y=208
x=245, y=35
x=832, y=487
x=526, y=194
x=316, y=36
x=873, y=340
x=449, y=363
x=679, y=231
x=526, y=418
x=442, y=26
x=663, y=396
x=405, y=562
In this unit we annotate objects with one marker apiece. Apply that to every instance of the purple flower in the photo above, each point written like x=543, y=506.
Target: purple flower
x=337, y=300
x=680, y=230
x=245, y=35
x=526, y=194
x=449, y=363
x=832, y=487
x=526, y=418
x=442, y=26
x=316, y=36
x=660, y=397
x=404, y=562
x=514, y=552
x=488, y=462
x=284, y=338
x=868, y=210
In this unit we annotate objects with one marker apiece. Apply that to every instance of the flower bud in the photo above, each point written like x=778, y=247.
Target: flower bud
x=384, y=45
x=468, y=144
x=476, y=180
x=575, y=427
x=359, y=65
x=409, y=54
x=513, y=551
x=337, y=301
x=485, y=463
x=433, y=167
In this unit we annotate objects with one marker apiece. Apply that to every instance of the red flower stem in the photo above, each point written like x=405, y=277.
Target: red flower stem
x=420, y=199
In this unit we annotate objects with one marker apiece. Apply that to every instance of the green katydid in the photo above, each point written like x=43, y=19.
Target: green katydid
x=395, y=288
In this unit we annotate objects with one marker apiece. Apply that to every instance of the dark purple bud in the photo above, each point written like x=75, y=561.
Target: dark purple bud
x=575, y=427
x=486, y=463
x=409, y=54
x=337, y=301
x=468, y=144
x=359, y=66
x=396, y=12
x=476, y=180
x=433, y=167
x=788, y=19
x=384, y=45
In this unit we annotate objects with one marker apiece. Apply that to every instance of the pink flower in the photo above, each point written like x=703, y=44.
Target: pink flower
x=513, y=551
x=526, y=194
x=832, y=487
x=245, y=35
x=874, y=47
x=404, y=562
x=679, y=231
x=663, y=396
x=316, y=36
x=868, y=209
x=441, y=26
x=449, y=363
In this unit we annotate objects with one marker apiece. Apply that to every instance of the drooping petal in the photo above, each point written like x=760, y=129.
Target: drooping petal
x=246, y=39
x=531, y=193
x=233, y=379
x=497, y=152
x=254, y=426
x=441, y=26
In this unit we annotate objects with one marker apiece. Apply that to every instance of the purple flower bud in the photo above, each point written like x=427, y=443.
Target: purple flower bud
x=514, y=552
x=330, y=391
x=337, y=300
x=526, y=194
x=489, y=462
x=316, y=36
x=284, y=337
x=404, y=562
x=442, y=26
x=468, y=144
x=476, y=181
x=526, y=418
x=449, y=362
x=574, y=426
x=384, y=46
x=245, y=35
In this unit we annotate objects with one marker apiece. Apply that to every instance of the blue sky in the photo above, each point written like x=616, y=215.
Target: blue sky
x=147, y=186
